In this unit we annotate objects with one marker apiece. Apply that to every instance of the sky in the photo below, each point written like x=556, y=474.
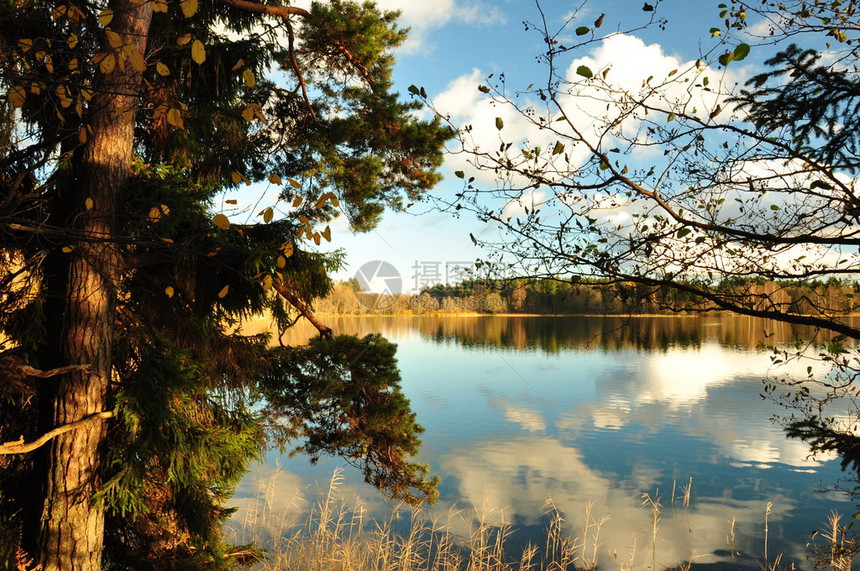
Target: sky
x=453, y=46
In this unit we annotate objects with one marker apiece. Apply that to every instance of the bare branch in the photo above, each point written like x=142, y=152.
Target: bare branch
x=282, y=11
x=21, y=447
x=32, y=372
x=302, y=308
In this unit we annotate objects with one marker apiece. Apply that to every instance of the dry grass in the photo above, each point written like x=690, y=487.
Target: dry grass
x=335, y=535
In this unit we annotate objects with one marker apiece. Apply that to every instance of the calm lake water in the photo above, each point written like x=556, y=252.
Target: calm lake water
x=597, y=410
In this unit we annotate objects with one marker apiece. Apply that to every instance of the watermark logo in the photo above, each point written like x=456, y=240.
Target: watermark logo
x=381, y=283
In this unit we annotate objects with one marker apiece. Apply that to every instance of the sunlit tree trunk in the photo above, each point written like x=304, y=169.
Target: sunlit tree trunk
x=72, y=525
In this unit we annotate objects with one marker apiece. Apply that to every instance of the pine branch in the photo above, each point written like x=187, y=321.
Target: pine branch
x=21, y=447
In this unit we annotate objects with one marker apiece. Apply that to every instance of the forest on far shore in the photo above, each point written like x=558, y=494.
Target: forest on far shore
x=593, y=297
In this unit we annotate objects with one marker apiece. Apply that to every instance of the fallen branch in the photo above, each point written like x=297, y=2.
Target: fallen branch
x=21, y=447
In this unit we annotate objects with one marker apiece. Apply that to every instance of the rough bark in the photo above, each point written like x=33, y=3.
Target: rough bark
x=72, y=525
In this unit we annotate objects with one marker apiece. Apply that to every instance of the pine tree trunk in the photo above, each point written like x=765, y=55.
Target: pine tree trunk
x=71, y=531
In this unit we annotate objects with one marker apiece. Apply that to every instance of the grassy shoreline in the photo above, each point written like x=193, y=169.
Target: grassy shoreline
x=332, y=533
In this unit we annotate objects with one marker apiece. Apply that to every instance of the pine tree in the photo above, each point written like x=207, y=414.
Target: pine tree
x=122, y=285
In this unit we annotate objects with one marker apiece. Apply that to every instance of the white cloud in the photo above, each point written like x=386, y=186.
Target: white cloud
x=543, y=466
x=423, y=17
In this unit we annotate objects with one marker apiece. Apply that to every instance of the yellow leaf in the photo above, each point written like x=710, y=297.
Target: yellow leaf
x=25, y=44
x=221, y=221
x=164, y=209
x=63, y=96
x=327, y=234
x=231, y=201
x=67, y=249
x=88, y=203
x=73, y=64
x=248, y=113
x=317, y=238
x=268, y=214
x=162, y=69
x=239, y=65
x=235, y=177
x=154, y=214
x=75, y=14
x=294, y=184
x=224, y=291
x=267, y=282
x=323, y=199
x=287, y=249
x=183, y=39
x=248, y=78
x=274, y=179
x=59, y=11
x=189, y=7
x=17, y=96
x=159, y=6
x=297, y=201
x=174, y=117
x=282, y=261
x=334, y=200
x=198, y=52
x=114, y=39
x=168, y=291
x=135, y=58
x=107, y=64
x=105, y=17
x=72, y=40
x=49, y=64
x=82, y=137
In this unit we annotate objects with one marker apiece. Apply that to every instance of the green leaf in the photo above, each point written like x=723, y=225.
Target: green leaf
x=483, y=89
x=413, y=90
x=459, y=174
x=584, y=71
x=558, y=148
x=683, y=232
x=726, y=58
x=774, y=207
x=741, y=51
x=582, y=30
x=499, y=123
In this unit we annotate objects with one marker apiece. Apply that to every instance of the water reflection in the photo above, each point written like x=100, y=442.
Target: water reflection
x=587, y=410
x=556, y=334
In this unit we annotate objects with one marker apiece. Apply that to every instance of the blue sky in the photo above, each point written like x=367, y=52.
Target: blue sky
x=453, y=46
x=454, y=39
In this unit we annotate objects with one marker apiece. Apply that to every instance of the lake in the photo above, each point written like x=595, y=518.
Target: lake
x=591, y=410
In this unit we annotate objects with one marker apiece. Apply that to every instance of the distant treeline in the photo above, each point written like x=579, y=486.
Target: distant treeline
x=593, y=297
